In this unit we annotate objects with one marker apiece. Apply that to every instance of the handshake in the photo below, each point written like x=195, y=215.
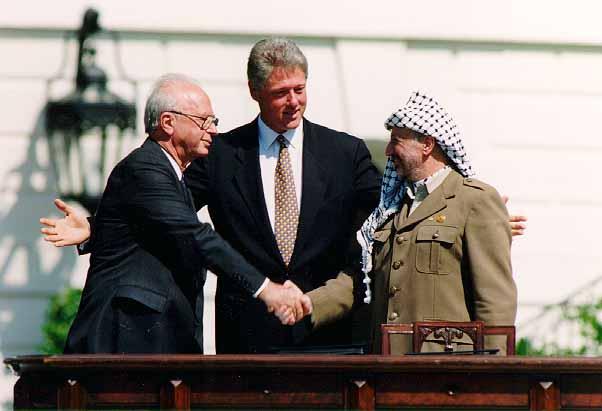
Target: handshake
x=286, y=301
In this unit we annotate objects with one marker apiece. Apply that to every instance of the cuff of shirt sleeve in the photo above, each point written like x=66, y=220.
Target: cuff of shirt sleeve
x=264, y=285
x=82, y=248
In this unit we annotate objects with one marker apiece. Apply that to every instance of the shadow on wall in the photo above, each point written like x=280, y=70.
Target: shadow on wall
x=31, y=270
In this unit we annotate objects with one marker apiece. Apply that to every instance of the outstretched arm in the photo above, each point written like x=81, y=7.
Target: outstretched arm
x=73, y=229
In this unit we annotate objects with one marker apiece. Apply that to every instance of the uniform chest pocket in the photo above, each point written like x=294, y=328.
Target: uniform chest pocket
x=434, y=249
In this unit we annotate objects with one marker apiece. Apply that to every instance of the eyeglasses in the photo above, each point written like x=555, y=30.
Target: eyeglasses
x=206, y=121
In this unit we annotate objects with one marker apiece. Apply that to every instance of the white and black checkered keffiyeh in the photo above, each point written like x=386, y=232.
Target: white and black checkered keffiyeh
x=424, y=115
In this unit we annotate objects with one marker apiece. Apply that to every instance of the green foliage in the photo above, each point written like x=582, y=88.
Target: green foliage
x=590, y=328
x=525, y=346
x=59, y=316
x=586, y=318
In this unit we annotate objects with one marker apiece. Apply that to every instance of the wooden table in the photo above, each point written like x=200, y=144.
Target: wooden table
x=305, y=381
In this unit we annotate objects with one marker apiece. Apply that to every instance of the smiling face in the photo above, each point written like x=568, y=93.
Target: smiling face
x=406, y=152
x=283, y=99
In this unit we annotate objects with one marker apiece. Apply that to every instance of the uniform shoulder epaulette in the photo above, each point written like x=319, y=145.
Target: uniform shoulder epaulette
x=473, y=182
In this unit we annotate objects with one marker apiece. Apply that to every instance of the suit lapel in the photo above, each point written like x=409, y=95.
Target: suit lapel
x=153, y=146
x=434, y=202
x=247, y=179
x=313, y=188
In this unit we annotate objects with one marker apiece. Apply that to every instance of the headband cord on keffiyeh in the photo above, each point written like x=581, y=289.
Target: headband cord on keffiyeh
x=424, y=115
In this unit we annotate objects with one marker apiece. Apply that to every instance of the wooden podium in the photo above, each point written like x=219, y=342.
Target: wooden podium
x=305, y=381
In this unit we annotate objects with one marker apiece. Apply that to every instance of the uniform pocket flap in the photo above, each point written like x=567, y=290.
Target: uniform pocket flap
x=438, y=233
x=382, y=236
x=144, y=296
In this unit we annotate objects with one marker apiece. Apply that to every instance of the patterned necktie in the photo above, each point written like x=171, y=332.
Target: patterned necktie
x=287, y=212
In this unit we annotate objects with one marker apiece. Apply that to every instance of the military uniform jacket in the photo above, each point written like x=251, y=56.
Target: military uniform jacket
x=449, y=260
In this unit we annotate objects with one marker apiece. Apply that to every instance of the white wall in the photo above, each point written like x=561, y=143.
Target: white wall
x=521, y=77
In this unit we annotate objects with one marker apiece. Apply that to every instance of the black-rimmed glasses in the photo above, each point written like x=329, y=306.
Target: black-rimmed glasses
x=206, y=121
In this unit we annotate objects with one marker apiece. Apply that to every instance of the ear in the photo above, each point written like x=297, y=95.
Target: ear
x=167, y=123
x=429, y=145
x=252, y=91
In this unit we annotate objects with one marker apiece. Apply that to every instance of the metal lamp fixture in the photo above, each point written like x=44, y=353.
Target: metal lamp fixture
x=90, y=112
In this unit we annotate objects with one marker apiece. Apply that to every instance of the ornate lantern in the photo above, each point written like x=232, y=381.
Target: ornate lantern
x=80, y=125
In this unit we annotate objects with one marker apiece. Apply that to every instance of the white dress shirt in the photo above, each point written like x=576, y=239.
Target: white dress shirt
x=173, y=163
x=268, y=158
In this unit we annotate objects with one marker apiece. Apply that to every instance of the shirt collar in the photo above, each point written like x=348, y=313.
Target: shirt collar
x=267, y=136
x=424, y=187
x=173, y=163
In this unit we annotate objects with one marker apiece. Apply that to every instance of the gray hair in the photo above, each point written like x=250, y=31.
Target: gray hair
x=161, y=99
x=269, y=53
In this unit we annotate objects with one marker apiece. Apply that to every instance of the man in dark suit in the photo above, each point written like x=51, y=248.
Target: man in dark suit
x=143, y=292
x=334, y=183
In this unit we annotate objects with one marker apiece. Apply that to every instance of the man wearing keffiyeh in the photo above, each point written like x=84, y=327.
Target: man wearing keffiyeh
x=437, y=247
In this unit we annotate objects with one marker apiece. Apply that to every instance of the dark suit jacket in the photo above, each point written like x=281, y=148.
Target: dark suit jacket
x=340, y=188
x=143, y=291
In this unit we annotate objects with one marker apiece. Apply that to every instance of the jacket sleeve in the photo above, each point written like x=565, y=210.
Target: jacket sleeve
x=488, y=240
x=167, y=224
x=86, y=246
x=332, y=301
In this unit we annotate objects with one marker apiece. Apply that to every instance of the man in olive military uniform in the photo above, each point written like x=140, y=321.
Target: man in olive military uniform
x=438, y=245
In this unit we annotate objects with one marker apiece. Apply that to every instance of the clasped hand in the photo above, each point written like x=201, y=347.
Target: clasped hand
x=286, y=301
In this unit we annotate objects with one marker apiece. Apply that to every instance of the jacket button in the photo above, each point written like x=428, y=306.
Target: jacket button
x=397, y=264
x=393, y=316
x=393, y=290
x=400, y=239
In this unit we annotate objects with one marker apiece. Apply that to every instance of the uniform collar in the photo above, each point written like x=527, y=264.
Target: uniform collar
x=421, y=188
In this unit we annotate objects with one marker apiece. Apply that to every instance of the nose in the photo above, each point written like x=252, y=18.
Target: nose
x=293, y=100
x=212, y=129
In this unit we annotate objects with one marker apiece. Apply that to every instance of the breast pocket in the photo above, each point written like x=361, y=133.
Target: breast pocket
x=434, y=249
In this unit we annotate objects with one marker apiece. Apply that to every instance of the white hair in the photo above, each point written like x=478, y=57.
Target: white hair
x=161, y=99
